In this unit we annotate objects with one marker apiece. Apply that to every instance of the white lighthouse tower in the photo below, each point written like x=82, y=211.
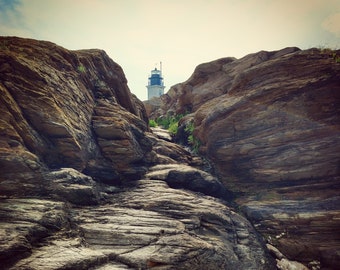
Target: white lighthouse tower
x=155, y=85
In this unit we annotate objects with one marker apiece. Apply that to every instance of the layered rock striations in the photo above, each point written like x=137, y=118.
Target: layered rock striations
x=146, y=226
x=63, y=108
x=269, y=122
x=85, y=184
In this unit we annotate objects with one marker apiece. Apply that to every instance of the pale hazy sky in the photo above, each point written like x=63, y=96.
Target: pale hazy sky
x=137, y=34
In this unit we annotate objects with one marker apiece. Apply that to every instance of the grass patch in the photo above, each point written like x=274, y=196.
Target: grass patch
x=152, y=123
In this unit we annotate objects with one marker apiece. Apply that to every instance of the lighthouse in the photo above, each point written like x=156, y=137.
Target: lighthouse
x=155, y=85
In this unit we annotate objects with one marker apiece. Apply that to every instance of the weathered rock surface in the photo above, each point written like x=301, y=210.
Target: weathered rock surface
x=74, y=152
x=146, y=226
x=269, y=122
x=299, y=228
x=63, y=108
x=167, y=152
x=162, y=134
x=153, y=106
x=74, y=187
x=169, y=229
x=187, y=177
x=24, y=223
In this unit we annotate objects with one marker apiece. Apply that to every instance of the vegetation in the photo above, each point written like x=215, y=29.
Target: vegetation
x=331, y=53
x=336, y=57
x=170, y=122
x=152, y=123
x=173, y=128
x=192, y=140
x=167, y=121
x=81, y=69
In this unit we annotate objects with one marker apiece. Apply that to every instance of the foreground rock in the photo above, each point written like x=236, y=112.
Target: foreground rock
x=269, y=122
x=148, y=225
x=299, y=228
x=25, y=222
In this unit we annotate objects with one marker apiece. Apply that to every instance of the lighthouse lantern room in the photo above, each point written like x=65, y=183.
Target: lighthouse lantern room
x=155, y=85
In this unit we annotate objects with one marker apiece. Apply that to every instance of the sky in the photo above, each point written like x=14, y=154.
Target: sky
x=139, y=34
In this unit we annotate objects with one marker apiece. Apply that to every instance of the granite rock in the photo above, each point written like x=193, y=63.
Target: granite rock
x=145, y=226
x=269, y=124
x=62, y=108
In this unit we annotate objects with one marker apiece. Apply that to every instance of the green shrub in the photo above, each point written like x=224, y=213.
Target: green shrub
x=164, y=122
x=81, y=69
x=152, y=123
x=167, y=121
x=173, y=128
x=192, y=140
x=189, y=128
x=171, y=124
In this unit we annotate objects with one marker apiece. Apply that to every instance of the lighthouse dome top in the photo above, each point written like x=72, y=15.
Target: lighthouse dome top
x=155, y=71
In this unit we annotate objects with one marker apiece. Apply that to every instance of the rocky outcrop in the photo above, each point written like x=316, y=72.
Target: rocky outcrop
x=85, y=184
x=278, y=122
x=269, y=122
x=63, y=108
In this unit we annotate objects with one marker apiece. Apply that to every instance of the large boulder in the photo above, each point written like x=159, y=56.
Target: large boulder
x=269, y=122
x=62, y=108
x=277, y=123
x=190, y=178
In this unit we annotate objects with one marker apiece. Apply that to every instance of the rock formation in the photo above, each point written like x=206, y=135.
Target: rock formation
x=269, y=123
x=85, y=184
x=61, y=108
